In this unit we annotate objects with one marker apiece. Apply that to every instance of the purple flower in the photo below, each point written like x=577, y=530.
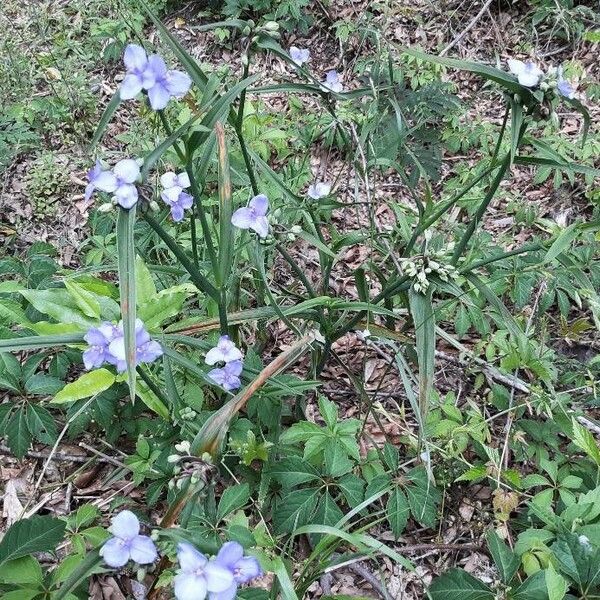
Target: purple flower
x=98, y=339
x=318, y=190
x=150, y=73
x=170, y=180
x=332, y=82
x=178, y=201
x=299, y=55
x=243, y=568
x=146, y=349
x=127, y=543
x=225, y=351
x=564, y=86
x=119, y=181
x=173, y=194
x=253, y=216
x=227, y=377
x=528, y=74
x=198, y=576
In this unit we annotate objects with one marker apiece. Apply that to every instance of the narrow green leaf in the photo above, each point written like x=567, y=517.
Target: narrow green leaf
x=40, y=342
x=90, y=564
x=562, y=242
x=586, y=441
x=86, y=301
x=107, y=115
x=283, y=577
x=226, y=232
x=126, y=260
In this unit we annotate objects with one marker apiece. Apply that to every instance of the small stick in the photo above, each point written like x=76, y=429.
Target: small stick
x=470, y=26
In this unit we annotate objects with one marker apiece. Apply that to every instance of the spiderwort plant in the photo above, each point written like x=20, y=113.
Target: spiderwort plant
x=173, y=193
x=119, y=182
x=228, y=376
x=528, y=73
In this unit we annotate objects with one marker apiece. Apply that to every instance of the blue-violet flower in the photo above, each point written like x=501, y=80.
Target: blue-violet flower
x=253, y=216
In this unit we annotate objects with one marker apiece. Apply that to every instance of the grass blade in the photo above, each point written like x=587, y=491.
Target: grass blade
x=107, y=115
x=126, y=259
x=40, y=342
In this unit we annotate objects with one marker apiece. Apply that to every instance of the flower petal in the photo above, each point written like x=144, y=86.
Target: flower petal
x=142, y=550
x=189, y=587
x=157, y=65
x=247, y=569
x=183, y=180
x=243, y=218
x=171, y=195
x=229, y=554
x=117, y=348
x=189, y=558
x=127, y=170
x=214, y=355
x=185, y=200
x=158, y=96
x=149, y=352
x=177, y=213
x=168, y=179
x=218, y=578
x=218, y=376
x=131, y=86
x=126, y=195
x=516, y=66
x=234, y=368
x=261, y=226
x=260, y=204
x=178, y=83
x=93, y=357
x=135, y=58
x=106, y=182
x=115, y=552
x=228, y=594
x=125, y=525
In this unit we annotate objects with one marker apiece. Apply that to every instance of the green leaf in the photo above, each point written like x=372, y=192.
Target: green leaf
x=533, y=588
x=88, y=384
x=233, y=498
x=295, y=510
x=85, y=300
x=585, y=440
x=21, y=571
x=506, y=560
x=162, y=307
x=39, y=342
x=328, y=512
x=41, y=424
x=353, y=489
x=336, y=458
x=562, y=242
x=456, y=584
x=144, y=283
x=328, y=411
x=90, y=564
x=107, y=115
x=126, y=254
x=11, y=312
x=17, y=433
x=293, y=471
x=43, y=385
x=36, y=534
x=421, y=309
x=555, y=583
x=151, y=400
x=397, y=511
x=59, y=305
x=285, y=583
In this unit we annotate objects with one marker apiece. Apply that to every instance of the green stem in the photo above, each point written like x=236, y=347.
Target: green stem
x=296, y=269
x=492, y=259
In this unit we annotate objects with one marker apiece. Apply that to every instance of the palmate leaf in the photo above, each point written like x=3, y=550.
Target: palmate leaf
x=36, y=534
x=126, y=260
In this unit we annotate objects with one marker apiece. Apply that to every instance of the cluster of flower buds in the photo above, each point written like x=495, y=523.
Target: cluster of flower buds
x=422, y=268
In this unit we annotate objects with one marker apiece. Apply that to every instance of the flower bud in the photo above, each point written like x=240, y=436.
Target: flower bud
x=271, y=26
x=296, y=229
x=183, y=447
x=106, y=207
x=154, y=207
x=246, y=31
x=245, y=60
x=173, y=458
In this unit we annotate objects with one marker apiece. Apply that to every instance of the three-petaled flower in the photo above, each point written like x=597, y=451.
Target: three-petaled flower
x=197, y=576
x=107, y=344
x=299, y=55
x=225, y=351
x=318, y=190
x=332, y=82
x=150, y=73
x=528, y=73
x=119, y=182
x=243, y=568
x=253, y=216
x=565, y=88
x=127, y=543
x=173, y=194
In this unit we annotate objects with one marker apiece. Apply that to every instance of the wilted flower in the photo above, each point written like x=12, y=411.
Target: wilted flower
x=198, y=576
x=225, y=351
x=98, y=339
x=243, y=568
x=228, y=377
x=299, y=55
x=565, y=88
x=107, y=344
x=528, y=73
x=318, y=190
x=150, y=73
x=332, y=82
x=127, y=542
x=253, y=216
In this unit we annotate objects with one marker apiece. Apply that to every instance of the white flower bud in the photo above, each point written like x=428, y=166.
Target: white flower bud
x=106, y=207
